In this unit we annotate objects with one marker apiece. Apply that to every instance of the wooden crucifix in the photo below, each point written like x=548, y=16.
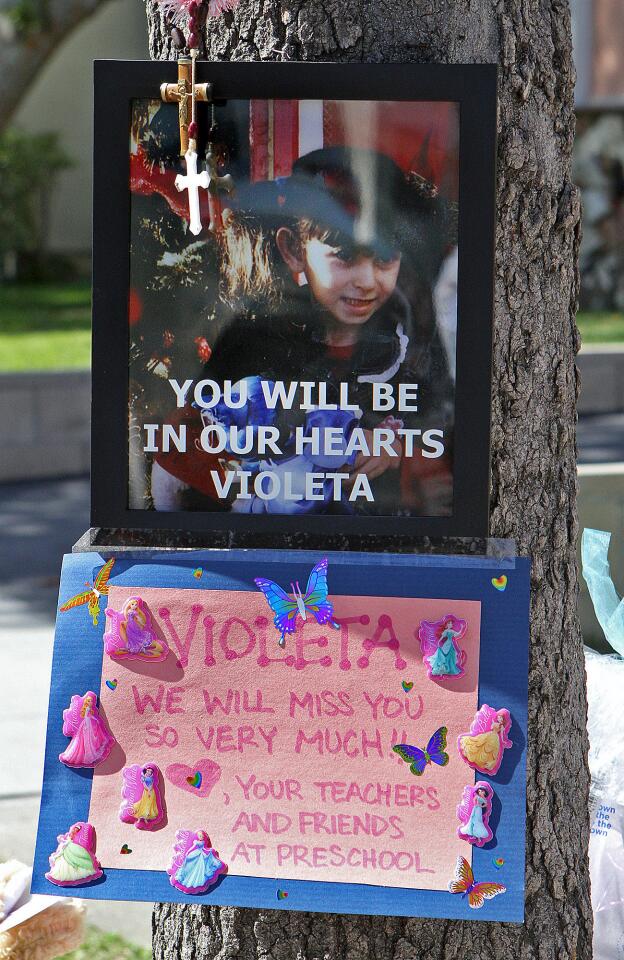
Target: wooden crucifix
x=182, y=94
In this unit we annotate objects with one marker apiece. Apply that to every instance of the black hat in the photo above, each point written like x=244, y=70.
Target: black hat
x=360, y=196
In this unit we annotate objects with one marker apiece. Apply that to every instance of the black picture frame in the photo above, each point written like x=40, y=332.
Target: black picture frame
x=473, y=87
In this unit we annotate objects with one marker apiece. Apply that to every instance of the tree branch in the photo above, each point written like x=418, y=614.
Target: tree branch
x=30, y=31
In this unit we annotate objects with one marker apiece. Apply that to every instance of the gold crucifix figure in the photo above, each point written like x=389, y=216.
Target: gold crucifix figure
x=182, y=94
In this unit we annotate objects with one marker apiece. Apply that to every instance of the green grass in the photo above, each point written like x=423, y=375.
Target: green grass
x=48, y=326
x=106, y=946
x=601, y=327
x=45, y=326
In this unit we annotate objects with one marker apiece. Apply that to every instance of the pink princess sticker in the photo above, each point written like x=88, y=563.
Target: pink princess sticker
x=483, y=747
x=74, y=863
x=195, y=865
x=129, y=634
x=442, y=654
x=142, y=802
x=474, y=813
x=90, y=742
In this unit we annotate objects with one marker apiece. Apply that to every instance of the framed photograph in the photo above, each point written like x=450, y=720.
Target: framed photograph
x=298, y=338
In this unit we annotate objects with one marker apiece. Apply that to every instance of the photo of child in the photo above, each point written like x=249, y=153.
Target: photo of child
x=322, y=307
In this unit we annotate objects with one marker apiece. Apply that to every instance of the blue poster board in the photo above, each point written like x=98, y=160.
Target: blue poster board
x=503, y=672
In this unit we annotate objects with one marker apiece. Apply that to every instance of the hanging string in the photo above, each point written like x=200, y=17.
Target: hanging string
x=193, y=123
x=194, y=9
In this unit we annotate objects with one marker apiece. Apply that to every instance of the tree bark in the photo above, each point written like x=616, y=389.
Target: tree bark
x=27, y=42
x=533, y=455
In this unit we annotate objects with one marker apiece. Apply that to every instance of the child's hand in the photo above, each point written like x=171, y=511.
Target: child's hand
x=374, y=467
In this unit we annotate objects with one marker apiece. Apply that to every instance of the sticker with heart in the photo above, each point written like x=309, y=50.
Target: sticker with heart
x=407, y=685
x=198, y=779
x=111, y=684
x=499, y=582
x=125, y=849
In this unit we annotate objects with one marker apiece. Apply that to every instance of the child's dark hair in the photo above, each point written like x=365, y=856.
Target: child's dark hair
x=251, y=265
x=248, y=259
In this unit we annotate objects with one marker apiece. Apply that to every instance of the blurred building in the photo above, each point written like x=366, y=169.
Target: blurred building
x=116, y=31
x=598, y=31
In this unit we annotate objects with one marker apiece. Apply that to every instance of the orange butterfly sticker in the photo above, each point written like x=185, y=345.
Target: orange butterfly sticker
x=93, y=594
x=477, y=893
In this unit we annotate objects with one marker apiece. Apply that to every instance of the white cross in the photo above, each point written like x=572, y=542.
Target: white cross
x=192, y=181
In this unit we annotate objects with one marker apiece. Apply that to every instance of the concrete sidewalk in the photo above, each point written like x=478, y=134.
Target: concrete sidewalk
x=39, y=522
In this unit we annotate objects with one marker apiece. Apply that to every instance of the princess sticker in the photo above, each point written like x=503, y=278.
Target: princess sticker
x=195, y=865
x=474, y=813
x=142, y=802
x=438, y=642
x=483, y=747
x=74, y=863
x=129, y=633
x=91, y=742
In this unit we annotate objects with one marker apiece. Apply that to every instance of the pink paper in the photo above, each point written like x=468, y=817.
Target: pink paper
x=309, y=786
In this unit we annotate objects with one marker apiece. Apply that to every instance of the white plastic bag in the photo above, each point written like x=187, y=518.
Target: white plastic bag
x=605, y=686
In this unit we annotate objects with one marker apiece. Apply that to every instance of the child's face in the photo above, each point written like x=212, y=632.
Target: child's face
x=349, y=282
x=350, y=285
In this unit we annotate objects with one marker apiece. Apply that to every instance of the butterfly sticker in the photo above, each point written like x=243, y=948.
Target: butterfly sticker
x=418, y=759
x=93, y=594
x=314, y=601
x=477, y=893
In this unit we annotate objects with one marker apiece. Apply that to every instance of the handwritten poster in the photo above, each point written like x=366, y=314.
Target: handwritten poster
x=301, y=790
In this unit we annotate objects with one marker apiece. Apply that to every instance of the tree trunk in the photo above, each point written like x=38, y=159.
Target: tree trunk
x=533, y=455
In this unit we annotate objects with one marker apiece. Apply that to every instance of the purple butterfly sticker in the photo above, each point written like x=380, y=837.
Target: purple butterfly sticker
x=419, y=759
x=314, y=601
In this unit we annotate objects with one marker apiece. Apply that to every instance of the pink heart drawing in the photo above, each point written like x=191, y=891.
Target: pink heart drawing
x=179, y=774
